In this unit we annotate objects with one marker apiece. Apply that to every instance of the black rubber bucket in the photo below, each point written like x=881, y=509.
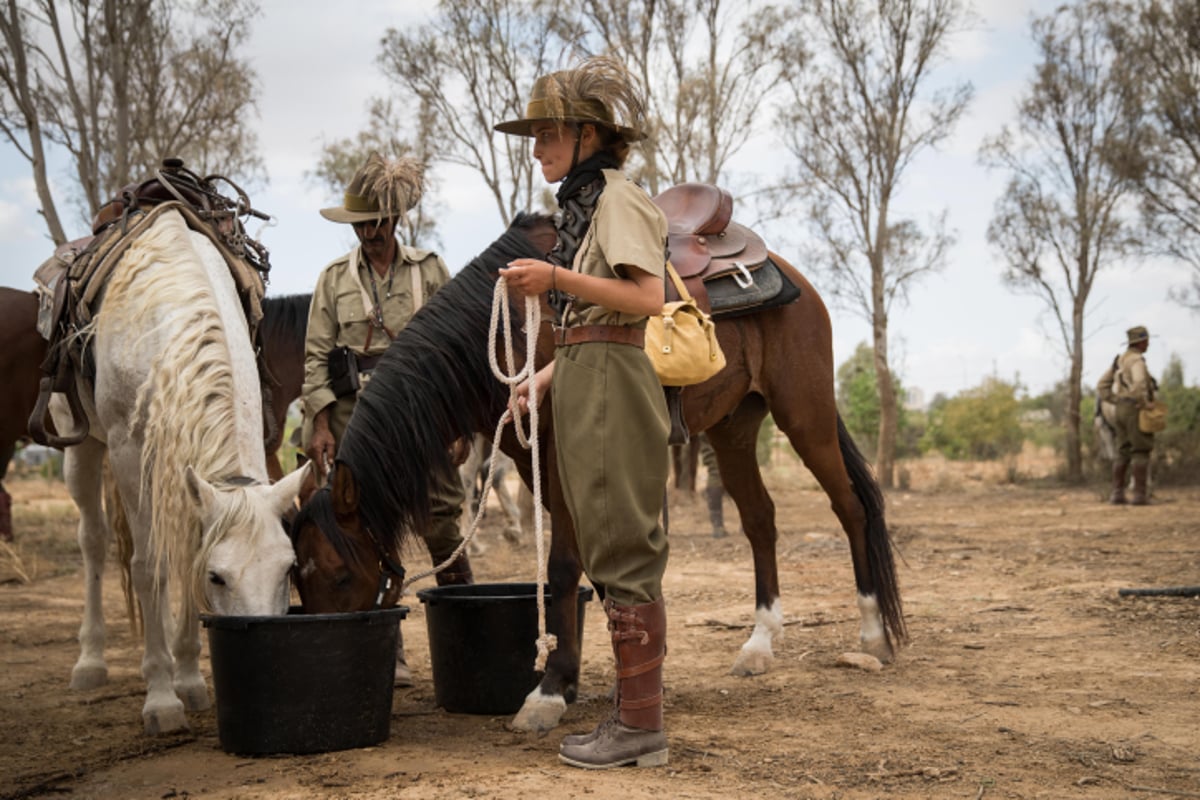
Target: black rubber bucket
x=483, y=642
x=303, y=683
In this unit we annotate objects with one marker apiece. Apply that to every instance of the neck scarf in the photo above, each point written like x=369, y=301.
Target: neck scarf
x=577, y=198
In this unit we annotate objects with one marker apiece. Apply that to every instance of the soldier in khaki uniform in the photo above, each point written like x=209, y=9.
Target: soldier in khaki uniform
x=611, y=425
x=1128, y=384
x=361, y=301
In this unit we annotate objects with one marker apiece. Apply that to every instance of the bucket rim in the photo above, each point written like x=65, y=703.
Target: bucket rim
x=478, y=592
x=295, y=616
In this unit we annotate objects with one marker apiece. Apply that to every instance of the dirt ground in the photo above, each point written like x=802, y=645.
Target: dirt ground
x=1026, y=676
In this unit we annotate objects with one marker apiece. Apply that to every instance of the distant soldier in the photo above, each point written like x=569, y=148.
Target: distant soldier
x=1127, y=384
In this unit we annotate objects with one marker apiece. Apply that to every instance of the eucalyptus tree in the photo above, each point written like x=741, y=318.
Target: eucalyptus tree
x=1162, y=37
x=857, y=119
x=120, y=84
x=1067, y=212
x=708, y=69
x=471, y=66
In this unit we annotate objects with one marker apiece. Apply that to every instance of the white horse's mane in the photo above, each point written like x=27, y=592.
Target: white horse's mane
x=186, y=404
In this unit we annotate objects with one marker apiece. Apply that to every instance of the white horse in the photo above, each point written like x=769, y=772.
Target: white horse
x=1106, y=432
x=176, y=402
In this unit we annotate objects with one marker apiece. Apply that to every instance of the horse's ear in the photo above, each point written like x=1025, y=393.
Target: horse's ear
x=344, y=491
x=282, y=494
x=201, y=492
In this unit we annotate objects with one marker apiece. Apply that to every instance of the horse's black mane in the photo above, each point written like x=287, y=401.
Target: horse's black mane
x=433, y=385
x=285, y=315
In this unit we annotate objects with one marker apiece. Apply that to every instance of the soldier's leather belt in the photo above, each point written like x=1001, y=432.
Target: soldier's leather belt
x=368, y=363
x=615, y=334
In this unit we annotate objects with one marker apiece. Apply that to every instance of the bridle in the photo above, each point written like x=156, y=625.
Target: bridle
x=388, y=570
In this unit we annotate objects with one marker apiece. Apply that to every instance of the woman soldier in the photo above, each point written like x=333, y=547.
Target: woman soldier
x=611, y=422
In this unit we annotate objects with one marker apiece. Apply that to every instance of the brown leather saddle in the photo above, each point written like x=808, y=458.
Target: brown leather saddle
x=723, y=264
x=71, y=283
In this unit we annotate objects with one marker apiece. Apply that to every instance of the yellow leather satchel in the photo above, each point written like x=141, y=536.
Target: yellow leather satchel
x=1153, y=418
x=682, y=340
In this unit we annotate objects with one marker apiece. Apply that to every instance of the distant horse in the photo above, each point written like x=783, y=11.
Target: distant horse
x=434, y=384
x=22, y=349
x=175, y=403
x=474, y=471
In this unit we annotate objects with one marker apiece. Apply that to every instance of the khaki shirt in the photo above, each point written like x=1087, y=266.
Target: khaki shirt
x=1132, y=379
x=627, y=229
x=340, y=312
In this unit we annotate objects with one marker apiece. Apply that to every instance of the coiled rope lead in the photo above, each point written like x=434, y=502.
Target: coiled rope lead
x=502, y=320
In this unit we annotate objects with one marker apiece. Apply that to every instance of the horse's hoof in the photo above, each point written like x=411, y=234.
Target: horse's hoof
x=751, y=662
x=194, y=696
x=403, y=677
x=512, y=535
x=540, y=714
x=476, y=548
x=88, y=676
x=165, y=720
x=878, y=648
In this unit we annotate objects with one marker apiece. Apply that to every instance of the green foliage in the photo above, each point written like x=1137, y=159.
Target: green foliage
x=1177, y=449
x=858, y=403
x=980, y=423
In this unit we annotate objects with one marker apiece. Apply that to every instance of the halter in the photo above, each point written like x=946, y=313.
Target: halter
x=388, y=569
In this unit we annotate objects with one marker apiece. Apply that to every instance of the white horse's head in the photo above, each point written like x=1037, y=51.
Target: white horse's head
x=245, y=555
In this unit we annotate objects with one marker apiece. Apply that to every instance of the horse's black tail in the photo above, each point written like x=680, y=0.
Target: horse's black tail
x=880, y=563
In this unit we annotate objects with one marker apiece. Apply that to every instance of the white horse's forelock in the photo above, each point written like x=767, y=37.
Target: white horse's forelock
x=189, y=390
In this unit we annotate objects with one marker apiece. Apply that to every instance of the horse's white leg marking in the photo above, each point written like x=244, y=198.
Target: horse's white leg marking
x=540, y=712
x=871, y=638
x=82, y=472
x=756, y=655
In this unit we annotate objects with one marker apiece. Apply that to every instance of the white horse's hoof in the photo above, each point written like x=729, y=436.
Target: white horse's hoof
x=512, y=534
x=540, y=713
x=751, y=662
x=193, y=695
x=85, y=677
x=168, y=719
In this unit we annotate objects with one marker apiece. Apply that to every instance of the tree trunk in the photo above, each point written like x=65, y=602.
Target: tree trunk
x=1075, y=394
x=886, y=454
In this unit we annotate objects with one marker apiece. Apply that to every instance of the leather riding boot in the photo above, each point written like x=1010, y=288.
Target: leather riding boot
x=1119, y=477
x=1141, y=470
x=715, y=494
x=6, y=530
x=457, y=571
x=634, y=733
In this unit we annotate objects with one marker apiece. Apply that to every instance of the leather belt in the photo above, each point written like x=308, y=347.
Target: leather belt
x=615, y=334
x=367, y=363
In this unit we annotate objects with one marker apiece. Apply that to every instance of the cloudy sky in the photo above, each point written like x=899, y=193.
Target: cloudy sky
x=316, y=65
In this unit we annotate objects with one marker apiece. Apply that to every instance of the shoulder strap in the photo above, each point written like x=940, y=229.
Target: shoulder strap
x=679, y=287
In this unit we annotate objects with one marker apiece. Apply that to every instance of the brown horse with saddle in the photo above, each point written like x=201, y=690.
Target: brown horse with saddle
x=775, y=333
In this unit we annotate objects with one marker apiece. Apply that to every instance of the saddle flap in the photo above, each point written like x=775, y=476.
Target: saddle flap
x=695, y=208
x=749, y=257
x=688, y=253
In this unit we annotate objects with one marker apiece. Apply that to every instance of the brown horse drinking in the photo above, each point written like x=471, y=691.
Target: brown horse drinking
x=434, y=384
